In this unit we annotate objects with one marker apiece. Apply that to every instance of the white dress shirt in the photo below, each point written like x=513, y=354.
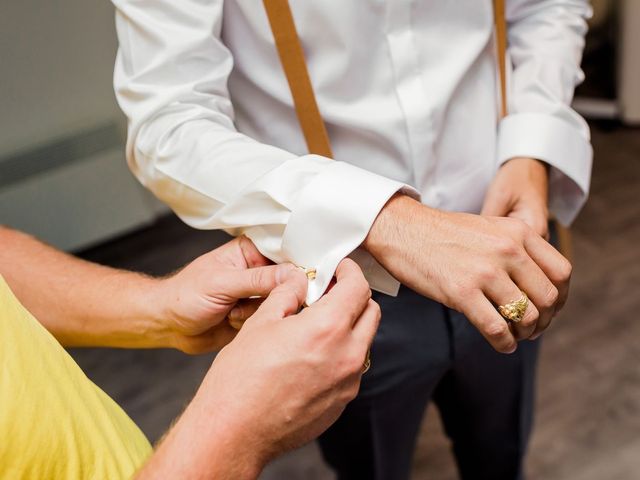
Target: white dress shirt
x=408, y=90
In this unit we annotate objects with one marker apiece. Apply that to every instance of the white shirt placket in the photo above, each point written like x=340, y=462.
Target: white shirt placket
x=410, y=91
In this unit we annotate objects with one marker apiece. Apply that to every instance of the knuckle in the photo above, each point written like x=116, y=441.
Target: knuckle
x=354, y=365
x=520, y=228
x=497, y=330
x=353, y=391
x=530, y=319
x=348, y=366
x=564, y=270
x=508, y=247
x=458, y=294
x=349, y=392
x=487, y=273
x=550, y=297
x=323, y=329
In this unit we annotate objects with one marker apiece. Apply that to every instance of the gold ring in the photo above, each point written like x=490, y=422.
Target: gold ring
x=367, y=362
x=514, y=311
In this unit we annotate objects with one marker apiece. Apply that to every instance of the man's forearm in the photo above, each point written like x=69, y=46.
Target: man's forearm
x=205, y=443
x=81, y=303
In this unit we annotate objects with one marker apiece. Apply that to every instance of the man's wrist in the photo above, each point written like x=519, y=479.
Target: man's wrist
x=538, y=165
x=533, y=172
x=386, y=232
x=151, y=314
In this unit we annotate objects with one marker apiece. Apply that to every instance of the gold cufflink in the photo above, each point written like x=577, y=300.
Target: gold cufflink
x=309, y=272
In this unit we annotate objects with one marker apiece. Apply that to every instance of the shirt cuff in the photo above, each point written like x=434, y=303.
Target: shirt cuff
x=557, y=143
x=332, y=216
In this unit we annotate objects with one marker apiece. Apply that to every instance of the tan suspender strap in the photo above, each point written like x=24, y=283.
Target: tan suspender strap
x=313, y=127
x=295, y=69
x=501, y=51
x=564, y=234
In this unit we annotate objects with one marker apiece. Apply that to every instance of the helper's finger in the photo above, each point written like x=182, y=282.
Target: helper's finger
x=553, y=264
x=503, y=291
x=213, y=339
x=348, y=298
x=286, y=299
x=366, y=327
x=490, y=323
x=256, y=282
x=243, y=310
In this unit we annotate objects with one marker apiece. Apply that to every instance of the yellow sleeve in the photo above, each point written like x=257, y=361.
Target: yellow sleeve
x=54, y=422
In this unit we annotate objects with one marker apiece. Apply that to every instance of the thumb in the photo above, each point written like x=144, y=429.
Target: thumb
x=497, y=203
x=286, y=299
x=259, y=281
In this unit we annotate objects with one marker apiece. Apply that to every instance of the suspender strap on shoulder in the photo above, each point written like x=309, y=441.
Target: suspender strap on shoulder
x=501, y=51
x=295, y=69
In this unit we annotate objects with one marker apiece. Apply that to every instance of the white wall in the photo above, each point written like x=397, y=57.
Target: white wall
x=56, y=68
x=629, y=62
x=56, y=64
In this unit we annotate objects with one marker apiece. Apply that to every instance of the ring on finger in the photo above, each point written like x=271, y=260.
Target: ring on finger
x=514, y=311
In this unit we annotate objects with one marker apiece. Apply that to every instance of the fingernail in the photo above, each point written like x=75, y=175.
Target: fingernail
x=236, y=324
x=513, y=348
x=234, y=314
x=535, y=337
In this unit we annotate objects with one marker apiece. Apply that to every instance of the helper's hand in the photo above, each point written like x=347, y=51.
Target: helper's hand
x=519, y=190
x=199, y=299
x=472, y=263
x=288, y=376
x=285, y=378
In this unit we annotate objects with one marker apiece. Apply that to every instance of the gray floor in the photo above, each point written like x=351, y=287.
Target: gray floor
x=588, y=408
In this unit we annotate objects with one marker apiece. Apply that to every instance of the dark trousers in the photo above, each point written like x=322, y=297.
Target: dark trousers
x=426, y=351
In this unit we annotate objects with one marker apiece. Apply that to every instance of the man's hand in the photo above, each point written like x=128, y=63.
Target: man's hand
x=520, y=190
x=199, y=299
x=285, y=378
x=472, y=263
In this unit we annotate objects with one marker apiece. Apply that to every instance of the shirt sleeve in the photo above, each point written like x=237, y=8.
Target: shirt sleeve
x=171, y=81
x=545, y=43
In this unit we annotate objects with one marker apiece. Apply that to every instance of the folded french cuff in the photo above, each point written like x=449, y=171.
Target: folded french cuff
x=331, y=218
x=557, y=143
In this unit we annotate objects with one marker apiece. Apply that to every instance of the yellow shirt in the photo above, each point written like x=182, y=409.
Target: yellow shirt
x=54, y=422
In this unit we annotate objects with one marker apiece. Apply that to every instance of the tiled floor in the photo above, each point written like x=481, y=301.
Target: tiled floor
x=588, y=408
